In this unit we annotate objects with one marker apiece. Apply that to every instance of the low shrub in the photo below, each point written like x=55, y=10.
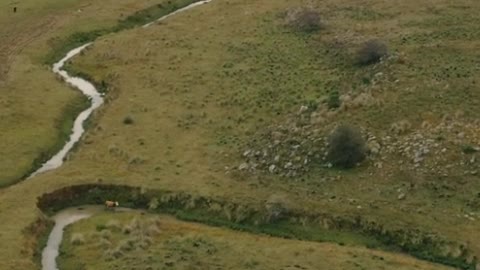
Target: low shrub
x=469, y=149
x=100, y=227
x=113, y=225
x=304, y=20
x=346, y=147
x=371, y=52
x=128, y=120
x=77, y=239
x=333, y=101
x=106, y=234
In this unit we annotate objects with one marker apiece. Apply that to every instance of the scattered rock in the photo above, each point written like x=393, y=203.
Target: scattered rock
x=243, y=167
x=400, y=127
x=302, y=109
x=374, y=147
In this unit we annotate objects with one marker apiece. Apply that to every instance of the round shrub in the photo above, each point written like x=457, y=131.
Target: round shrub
x=128, y=120
x=77, y=239
x=346, y=147
x=371, y=52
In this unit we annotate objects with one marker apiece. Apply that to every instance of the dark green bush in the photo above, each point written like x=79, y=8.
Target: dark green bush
x=333, y=101
x=128, y=120
x=371, y=52
x=346, y=147
x=468, y=149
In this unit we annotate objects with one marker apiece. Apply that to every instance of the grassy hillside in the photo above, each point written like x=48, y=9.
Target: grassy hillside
x=131, y=240
x=233, y=85
x=37, y=109
x=207, y=112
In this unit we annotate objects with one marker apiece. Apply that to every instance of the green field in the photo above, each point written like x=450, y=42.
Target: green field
x=132, y=241
x=37, y=109
x=229, y=85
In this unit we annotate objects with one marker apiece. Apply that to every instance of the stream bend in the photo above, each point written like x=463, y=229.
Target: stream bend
x=89, y=90
x=70, y=216
x=96, y=100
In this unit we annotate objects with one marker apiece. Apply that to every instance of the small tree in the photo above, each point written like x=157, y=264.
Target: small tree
x=371, y=52
x=128, y=120
x=304, y=19
x=346, y=147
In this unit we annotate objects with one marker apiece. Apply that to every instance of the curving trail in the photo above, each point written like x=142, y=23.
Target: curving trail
x=67, y=217
x=89, y=90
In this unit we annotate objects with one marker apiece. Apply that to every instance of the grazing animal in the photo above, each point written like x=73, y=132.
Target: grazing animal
x=14, y=9
x=111, y=204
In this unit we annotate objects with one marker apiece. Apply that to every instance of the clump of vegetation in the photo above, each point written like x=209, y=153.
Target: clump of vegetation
x=346, y=147
x=333, y=101
x=136, y=161
x=304, y=20
x=106, y=234
x=128, y=120
x=276, y=207
x=152, y=230
x=469, y=149
x=153, y=204
x=400, y=127
x=371, y=52
x=103, y=243
x=77, y=239
x=100, y=227
x=127, y=244
x=112, y=254
x=113, y=225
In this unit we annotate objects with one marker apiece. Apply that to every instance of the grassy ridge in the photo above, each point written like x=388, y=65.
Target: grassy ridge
x=188, y=245
x=61, y=47
x=253, y=219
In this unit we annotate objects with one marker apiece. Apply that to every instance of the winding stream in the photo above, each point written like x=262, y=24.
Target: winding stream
x=70, y=216
x=96, y=100
x=62, y=219
x=89, y=90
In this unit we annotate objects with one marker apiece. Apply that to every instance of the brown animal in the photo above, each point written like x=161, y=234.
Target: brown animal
x=111, y=204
